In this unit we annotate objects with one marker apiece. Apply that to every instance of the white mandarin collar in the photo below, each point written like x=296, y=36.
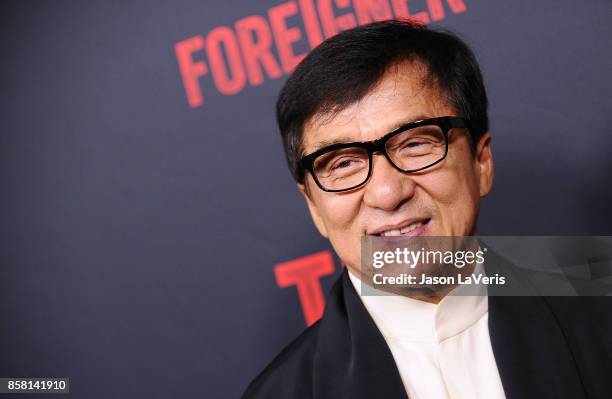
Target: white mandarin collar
x=406, y=319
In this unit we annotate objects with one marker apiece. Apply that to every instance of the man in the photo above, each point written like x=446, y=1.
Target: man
x=345, y=116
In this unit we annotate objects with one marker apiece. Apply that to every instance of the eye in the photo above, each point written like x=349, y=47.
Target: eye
x=414, y=143
x=343, y=163
x=418, y=142
x=415, y=147
x=346, y=166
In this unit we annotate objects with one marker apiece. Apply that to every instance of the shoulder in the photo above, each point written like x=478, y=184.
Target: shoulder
x=584, y=318
x=586, y=323
x=289, y=375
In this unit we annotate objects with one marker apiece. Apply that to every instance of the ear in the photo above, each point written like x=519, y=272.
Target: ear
x=484, y=164
x=312, y=207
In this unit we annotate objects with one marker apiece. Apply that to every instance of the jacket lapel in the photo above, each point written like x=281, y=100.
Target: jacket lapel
x=531, y=352
x=352, y=359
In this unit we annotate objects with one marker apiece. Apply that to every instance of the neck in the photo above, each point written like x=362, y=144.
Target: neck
x=426, y=298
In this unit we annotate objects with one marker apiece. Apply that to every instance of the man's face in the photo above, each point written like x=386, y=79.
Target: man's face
x=442, y=200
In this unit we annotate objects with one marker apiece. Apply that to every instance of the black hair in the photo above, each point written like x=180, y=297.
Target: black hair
x=345, y=67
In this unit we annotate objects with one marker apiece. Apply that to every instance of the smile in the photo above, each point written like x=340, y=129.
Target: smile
x=409, y=228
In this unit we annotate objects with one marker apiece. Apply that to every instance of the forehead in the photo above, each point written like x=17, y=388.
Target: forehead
x=404, y=94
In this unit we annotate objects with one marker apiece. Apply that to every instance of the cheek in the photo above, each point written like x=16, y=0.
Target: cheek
x=341, y=216
x=340, y=211
x=454, y=192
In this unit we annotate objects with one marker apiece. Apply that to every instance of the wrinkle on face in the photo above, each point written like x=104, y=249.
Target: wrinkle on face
x=447, y=192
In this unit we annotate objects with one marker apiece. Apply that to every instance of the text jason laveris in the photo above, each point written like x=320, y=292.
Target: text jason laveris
x=423, y=279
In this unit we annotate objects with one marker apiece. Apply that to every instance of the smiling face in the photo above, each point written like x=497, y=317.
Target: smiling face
x=440, y=201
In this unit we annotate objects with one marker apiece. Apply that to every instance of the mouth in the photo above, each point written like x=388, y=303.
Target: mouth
x=409, y=228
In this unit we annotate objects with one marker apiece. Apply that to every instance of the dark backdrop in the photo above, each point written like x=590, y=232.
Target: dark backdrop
x=139, y=234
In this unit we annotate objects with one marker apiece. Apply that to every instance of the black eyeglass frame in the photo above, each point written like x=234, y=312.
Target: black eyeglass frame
x=445, y=123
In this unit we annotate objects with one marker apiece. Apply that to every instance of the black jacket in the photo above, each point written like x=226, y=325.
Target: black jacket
x=544, y=347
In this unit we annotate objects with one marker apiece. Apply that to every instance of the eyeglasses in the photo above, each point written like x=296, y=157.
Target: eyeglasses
x=410, y=148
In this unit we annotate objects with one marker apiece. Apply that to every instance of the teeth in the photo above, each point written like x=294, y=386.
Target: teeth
x=411, y=227
x=403, y=230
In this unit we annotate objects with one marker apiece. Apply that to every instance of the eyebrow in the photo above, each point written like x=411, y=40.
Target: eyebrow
x=338, y=140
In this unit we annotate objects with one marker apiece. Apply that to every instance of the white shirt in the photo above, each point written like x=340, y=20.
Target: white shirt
x=441, y=351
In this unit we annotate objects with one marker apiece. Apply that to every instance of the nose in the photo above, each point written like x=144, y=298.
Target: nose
x=388, y=188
